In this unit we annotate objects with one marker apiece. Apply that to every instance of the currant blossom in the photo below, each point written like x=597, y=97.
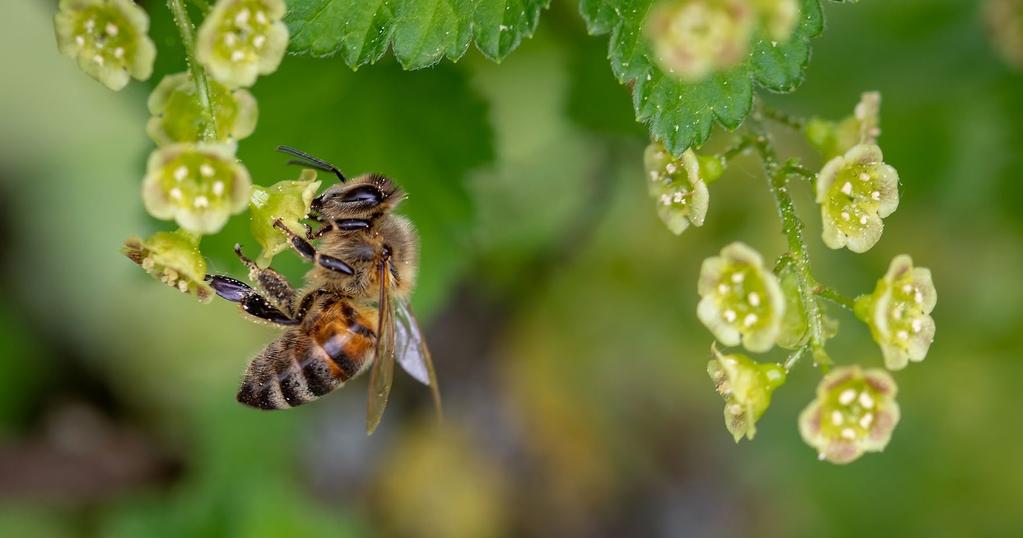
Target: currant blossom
x=692, y=39
x=108, y=38
x=241, y=39
x=285, y=200
x=855, y=412
x=863, y=126
x=178, y=116
x=198, y=185
x=855, y=192
x=746, y=387
x=174, y=259
x=899, y=312
x=740, y=299
x=679, y=186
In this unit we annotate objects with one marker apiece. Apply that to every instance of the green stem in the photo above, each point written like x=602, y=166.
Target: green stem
x=833, y=295
x=782, y=117
x=202, y=89
x=798, y=253
x=742, y=145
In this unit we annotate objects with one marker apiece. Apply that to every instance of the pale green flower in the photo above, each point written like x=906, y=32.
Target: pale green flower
x=242, y=39
x=855, y=412
x=692, y=39
x=899, y=312
x=746, y=387
x=108, y=38
x=779, y=17
x=174, y=259
x=740, y=299
x=198, y=185
x=679, y=186
x=863, y=126
x=285, y=200
x=178, y=116
x=855, y=192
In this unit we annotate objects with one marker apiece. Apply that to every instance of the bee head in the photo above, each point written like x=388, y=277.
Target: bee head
x=364, y=197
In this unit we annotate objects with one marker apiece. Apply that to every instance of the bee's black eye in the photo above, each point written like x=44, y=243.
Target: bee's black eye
x=363, y=193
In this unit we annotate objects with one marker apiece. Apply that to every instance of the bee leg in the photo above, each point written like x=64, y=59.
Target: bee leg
x=323, y=230
x=270, y=282
x=308, y=251
x=251, y=302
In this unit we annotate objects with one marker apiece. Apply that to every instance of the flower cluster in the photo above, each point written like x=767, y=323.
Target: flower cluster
x=108, y=38
x=679, y=186
x=285, y=200
x=173, y=258
x=198, y=185
x=740, y=299
x=856, y=191
x=898, y=313
x=242, y=39
x=746, y=387
x=179, y=117
x=855, y=412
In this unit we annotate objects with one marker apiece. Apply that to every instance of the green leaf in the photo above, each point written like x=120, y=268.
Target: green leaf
x=420, y=32
x=681, y=114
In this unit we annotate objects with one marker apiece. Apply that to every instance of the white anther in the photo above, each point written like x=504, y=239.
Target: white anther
x=749, y=320
x=847, y=396
x=111, y=29
x=180, y=173
x=723, y=288
x=836, y=418
x=866, y=420
x=918, y=297
x=729, y=315
x=864, y=176
x=201, y=201
x=847, y=188
x=98, y=59
x=907, y=288
x=866, y=400
x=261, y=17
x=848, y=433
x=79, y=40
x=230, y=39
x=845, y=215
x=863, y=219
x=753, y=298
x=259, y=41
x=738, y=277
x=175, y=193
x=90, y=24
x=237, y=56
x=902, y=335
x=242, y=17
x=206, y=170
x=876, y=195
x=671, y=168
x=918, y=325
x=218, y=188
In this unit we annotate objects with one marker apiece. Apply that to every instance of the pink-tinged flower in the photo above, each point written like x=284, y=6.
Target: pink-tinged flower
x=899, y=312
x=691, y=39
x=174, y=259
x=198, y=185
x=855, y=412
x=746, y=387
x=740, y=299
x=855, y=192
x=108, y=38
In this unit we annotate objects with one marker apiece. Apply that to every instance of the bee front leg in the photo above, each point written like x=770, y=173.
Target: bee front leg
x=251, y=302
x=306, y=249
x=276, y=287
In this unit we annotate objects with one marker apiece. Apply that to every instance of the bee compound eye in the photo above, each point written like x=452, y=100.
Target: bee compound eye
x=363, y=194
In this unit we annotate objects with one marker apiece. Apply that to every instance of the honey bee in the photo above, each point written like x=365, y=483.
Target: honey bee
x=353, y=315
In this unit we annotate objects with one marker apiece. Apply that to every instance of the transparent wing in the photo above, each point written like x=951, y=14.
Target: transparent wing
x=382, y=372
x=411, y=350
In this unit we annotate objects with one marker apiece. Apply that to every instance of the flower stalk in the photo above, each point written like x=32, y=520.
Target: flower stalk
x=202, y=89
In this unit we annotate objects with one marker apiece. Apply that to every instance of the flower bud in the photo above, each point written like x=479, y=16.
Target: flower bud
x=746, y=387
x=178, y=116
x=855, y=412
x=108, y=38
x=198, y=185
x=285, y=200
x=855, y=192
x=691, y=39
x=898, y=312
x=174, y=259
x=740, y=299
x=863, y=126
x=241, y=39
x=678, y=186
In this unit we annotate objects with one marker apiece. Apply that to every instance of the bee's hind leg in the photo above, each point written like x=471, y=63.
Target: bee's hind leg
x=276, y=287
x=251, y=302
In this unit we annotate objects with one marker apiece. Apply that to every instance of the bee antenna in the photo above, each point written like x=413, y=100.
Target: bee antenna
x=305, y=159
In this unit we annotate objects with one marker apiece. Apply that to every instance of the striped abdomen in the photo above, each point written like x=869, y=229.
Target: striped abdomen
x=309, y=361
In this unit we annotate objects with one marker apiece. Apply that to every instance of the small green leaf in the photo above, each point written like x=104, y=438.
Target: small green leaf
x=420, y=32
x=681, y=114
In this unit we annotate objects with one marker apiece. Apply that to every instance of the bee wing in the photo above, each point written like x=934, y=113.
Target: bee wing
x=382, y=372
x=411, y=350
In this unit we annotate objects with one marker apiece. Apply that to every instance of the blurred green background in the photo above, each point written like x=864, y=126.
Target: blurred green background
x=560, y=311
